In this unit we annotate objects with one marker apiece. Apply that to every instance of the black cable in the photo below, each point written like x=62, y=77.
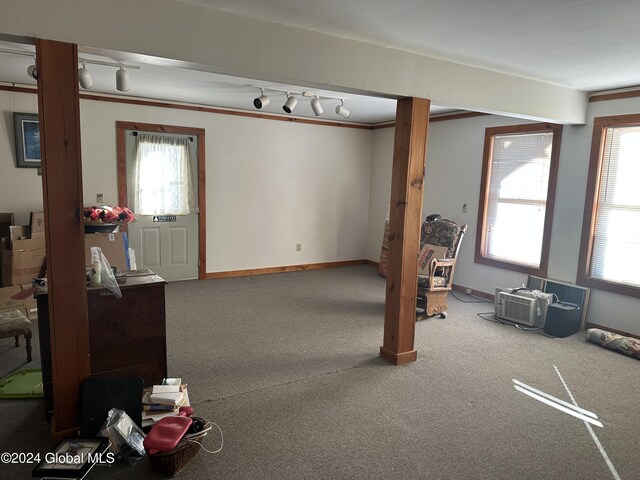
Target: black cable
x=480, y=300
x=494, y=319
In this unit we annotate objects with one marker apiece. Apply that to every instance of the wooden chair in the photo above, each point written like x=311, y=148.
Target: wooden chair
x=434, y=287
x=13, y=324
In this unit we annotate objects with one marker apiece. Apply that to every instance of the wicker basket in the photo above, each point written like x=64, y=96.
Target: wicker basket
x=173, y=462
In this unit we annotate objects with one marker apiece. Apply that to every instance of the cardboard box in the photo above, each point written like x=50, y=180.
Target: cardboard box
x=427, y=253
x=6, y=220
x=26, y=306
x=18, y=232
x=22, y=257
x=36, y=225
x=6, y=303
x=20, y=266
x=114, y=247
x=27, y=244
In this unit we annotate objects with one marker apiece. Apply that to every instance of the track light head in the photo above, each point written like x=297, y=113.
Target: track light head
x=342, y=110
x=32, y=71
x=316, y=106
x=84, y=77
x=122, y=80
x=261, y=101
x=290, y=104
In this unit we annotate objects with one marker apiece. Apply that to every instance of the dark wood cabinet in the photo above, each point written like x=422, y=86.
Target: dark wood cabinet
x=127, y=336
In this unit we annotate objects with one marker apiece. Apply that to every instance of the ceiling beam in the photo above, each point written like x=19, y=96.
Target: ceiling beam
x=232, y=44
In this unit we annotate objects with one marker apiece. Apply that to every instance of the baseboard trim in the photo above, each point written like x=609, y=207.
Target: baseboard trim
x=372, y=263
x=609, y=329
x=285, y=268
x=474, y=293
x=398, y=358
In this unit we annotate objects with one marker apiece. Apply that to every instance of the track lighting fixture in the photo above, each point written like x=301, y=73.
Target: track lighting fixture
x=261, y=101
x=342, y=110
x=292, y=101
x=84, y=77
x=290, y=104
x=316, y=106
x=122, y=80
x=32, y=71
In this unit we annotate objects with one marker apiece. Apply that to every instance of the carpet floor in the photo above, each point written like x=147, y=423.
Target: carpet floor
x=287, y=365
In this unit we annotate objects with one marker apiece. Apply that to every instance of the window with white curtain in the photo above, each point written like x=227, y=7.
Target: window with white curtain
x=614, y=236
x=163, y=183
x=517, y=196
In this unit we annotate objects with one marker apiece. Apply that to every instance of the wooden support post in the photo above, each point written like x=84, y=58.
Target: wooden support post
x=59, y=116
x=409, y=150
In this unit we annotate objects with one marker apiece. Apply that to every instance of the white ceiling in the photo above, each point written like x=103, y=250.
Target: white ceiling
x=589, y=45
x=583, y=44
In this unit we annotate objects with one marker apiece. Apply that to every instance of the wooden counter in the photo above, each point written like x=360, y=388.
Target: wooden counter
x=127, y=336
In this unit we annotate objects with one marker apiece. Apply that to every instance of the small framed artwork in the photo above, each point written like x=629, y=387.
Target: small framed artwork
x=27, y=130
x=73, y=458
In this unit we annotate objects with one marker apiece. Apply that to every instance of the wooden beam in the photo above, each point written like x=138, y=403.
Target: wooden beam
x=59, y=115
x=409, y=150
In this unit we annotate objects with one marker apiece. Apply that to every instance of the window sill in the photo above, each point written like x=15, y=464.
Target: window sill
x=598, y=284
x=538, y=272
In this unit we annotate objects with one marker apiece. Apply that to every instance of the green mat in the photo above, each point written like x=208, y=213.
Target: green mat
x=22, y=384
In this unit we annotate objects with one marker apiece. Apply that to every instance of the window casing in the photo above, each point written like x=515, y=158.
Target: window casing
x=517, y=195
x=610, y=244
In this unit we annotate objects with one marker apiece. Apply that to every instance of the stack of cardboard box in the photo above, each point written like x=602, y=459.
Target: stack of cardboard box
x=23, y=252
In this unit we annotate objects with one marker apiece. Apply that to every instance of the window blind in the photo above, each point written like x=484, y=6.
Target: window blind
x=517, y=197
x=616, y=238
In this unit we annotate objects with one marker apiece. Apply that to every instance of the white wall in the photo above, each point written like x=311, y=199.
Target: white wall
x=270, y=184
x=20, y=188
x=454, y=164
x=380, y=192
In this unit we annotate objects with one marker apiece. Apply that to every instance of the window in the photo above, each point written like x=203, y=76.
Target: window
x=610, y=247
x=516, y=197
x=162, y=176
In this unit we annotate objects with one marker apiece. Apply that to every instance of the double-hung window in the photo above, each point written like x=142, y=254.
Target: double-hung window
x=516, y=196
x=610, y=247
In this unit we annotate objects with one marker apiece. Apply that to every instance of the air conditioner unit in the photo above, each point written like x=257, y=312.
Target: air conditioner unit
x=522, y=306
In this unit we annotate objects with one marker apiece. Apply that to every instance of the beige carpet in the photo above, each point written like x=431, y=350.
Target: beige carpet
x=288, y=366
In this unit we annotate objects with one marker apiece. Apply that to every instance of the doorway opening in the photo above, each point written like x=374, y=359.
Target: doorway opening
x=152, y=229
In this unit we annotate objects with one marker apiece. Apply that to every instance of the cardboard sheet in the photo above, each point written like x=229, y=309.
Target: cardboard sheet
x=114, y=247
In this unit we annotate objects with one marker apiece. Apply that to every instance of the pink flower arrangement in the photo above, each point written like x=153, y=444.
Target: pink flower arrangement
x=107, y=214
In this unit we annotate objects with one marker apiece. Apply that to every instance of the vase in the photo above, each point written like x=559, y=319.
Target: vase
x=101, y=228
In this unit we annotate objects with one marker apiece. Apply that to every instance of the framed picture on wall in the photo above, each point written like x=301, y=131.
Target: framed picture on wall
x=27, y=130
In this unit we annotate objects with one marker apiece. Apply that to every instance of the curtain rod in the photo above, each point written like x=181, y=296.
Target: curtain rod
x=135, y=134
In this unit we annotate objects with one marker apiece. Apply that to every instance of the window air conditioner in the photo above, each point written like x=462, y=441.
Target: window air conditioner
x=522, y=306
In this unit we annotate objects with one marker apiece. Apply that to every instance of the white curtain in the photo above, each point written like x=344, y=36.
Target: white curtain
x=162, y=181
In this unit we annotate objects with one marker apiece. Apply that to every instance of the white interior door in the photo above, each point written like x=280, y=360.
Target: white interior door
x=165, y=244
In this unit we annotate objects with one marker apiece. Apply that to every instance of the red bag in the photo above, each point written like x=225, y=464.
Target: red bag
x=166, y=434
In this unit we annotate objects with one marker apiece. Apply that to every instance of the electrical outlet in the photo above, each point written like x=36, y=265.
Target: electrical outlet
x=99, y=198
x=468, y=291
x=298, y=247
x=464, y=208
